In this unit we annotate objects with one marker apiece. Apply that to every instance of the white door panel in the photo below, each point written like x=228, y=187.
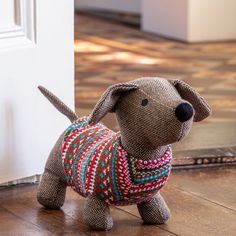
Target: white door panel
x=7, y=16
x=39, y=51
x=17, y=23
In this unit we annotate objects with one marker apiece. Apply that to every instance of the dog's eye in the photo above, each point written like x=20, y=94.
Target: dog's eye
x=144, y=102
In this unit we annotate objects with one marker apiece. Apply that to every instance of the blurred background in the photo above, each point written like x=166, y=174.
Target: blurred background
x=118, y=41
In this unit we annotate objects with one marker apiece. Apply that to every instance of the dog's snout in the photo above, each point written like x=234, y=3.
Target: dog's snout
x=183, y=112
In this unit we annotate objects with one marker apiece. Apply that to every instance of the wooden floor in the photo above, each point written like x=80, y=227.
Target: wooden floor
x=201, y=203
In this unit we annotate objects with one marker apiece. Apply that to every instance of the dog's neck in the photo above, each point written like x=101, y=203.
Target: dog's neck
x=142, y=150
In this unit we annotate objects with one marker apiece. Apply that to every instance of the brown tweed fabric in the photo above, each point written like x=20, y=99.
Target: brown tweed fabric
x=52, y=187
x=51, y=192
x=97, y=214
x=154, y=211
x=146, y=130
x=58, y=104
x=108, y=101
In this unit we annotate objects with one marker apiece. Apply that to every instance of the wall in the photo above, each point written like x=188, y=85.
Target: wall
x=211, y=20
x=133, y=6
x=190, y=20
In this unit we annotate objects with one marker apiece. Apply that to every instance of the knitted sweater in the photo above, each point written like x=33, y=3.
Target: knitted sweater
x=96, y=164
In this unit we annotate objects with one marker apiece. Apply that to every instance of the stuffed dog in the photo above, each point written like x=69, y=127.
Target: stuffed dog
x=127, y=167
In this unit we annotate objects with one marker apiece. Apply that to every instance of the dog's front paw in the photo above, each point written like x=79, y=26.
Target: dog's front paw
x=154, y=211
x=97, y=214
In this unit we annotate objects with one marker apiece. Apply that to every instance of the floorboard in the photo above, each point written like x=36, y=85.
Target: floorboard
x=193, y=215
x=218, y=186
x=201, y=202
x=11, y=224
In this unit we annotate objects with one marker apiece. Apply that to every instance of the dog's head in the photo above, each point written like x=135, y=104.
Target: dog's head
x=154, y=110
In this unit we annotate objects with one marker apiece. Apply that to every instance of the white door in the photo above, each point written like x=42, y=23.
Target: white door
x=36, y=47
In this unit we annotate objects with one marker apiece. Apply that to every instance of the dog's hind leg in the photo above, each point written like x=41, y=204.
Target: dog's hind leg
x=154, y=211
x=52, y=187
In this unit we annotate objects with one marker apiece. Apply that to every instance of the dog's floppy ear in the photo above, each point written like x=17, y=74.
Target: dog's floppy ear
x=202, y=109
x=108, y=101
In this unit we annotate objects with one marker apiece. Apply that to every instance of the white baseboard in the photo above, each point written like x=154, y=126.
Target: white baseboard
x=131, y=6
x=29, y=180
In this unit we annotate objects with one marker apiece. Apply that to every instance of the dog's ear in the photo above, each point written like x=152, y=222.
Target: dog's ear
x=202, y=109
x=108, y=101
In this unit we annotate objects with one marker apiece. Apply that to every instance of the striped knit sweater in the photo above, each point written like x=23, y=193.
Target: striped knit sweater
x=96, y=164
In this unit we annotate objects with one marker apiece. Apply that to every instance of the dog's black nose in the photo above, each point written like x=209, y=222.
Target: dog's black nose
x=184, y=112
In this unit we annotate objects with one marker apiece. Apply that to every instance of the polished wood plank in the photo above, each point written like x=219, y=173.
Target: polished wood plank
x=123, y=222
x=201, y=203
x=68, y=220
x=54, y=221
x=192, y=215
x=128, y=224
x=14, y=225
x=216, y=185
x=27, y=208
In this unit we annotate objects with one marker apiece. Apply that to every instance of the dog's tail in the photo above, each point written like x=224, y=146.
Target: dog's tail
x=60, y=106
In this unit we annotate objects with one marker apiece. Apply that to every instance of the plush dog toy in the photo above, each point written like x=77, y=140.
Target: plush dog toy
x=127, y=167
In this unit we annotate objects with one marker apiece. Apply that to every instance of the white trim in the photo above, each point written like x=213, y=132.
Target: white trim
x=29, y=180
x=131, y=6
x=24, y=30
